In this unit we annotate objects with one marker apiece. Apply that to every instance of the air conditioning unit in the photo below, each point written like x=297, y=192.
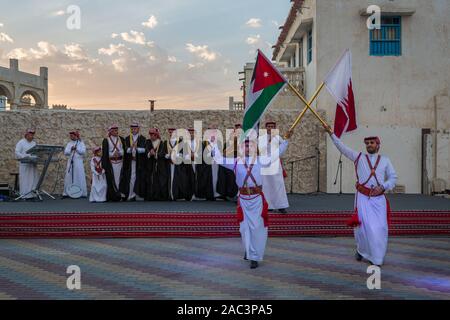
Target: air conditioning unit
x=438, y=186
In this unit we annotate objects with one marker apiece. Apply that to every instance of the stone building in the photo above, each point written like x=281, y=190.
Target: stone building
x=401, y=75
x=23, y=90
x=53, y=126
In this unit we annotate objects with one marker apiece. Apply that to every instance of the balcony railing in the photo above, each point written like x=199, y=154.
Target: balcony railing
x=296, y=77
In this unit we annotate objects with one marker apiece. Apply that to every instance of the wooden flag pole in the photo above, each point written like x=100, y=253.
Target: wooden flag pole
x=308, y=106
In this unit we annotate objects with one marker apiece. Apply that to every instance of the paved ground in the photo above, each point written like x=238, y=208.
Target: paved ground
x=298, y=203
x=294, y=268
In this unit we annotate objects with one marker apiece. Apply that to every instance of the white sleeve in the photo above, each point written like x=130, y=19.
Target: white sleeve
x=94, y=172
x=81, y=149
x=68, y=150
x=267, y=160
x=391, y=176
x=20, y=154
x=110, y=150
x=228, y=163
x=346, y=151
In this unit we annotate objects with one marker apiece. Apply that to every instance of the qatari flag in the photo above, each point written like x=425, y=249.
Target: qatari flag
x=339, y=84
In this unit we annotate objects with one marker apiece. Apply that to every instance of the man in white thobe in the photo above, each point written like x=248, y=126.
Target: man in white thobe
x=75, y=175
x=273, y=182
x=194, y=146
x=28, y=173
x=99, y=185
x=171, y=144
x=375, y=175
x=252, y=206
x=214, y=166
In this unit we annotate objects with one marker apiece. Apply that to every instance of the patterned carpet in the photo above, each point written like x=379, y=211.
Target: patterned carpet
x=294, y=268
x=203, y=225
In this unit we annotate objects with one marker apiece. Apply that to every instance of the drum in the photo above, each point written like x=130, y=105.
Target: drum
x=74, y=191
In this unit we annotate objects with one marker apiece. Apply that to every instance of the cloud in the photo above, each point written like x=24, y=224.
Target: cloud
x=172, y=59
x=69, y=57
x=113, y=49
x=120, y=64
x=58, y=13
x=253, y=40
x=75, y=51
x=44, y=49
x=202, y=52
x=1, y=25
x=77, y=67
x=5, y=38
x=254, y=23
x=151, y=23
x=275, y=23
x=195, y=65
x=134, y=37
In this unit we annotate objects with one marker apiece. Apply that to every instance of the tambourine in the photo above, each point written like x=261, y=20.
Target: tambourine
x=74, y=191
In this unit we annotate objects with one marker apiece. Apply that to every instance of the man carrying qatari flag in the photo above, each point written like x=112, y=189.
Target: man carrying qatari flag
x=375, y=173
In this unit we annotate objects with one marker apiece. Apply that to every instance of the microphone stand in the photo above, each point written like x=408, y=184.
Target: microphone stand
x=71, y=161
x=339, y=172
x=318, y=172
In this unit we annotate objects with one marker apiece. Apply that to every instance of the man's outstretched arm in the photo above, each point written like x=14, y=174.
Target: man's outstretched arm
x=346, y=151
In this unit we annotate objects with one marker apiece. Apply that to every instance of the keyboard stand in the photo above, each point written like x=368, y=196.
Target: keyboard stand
x=37, y=192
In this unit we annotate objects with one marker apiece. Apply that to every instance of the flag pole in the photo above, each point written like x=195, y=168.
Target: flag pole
x=308, y=106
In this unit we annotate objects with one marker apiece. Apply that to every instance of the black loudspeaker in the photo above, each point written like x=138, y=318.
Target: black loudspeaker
x=4, y=189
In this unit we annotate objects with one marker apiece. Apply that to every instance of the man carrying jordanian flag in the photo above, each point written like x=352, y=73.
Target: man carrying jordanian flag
x=252, y=207
x=266, y=83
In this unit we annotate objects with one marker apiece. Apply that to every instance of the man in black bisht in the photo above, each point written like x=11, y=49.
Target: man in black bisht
x=181, y=174
x=213, y=181
x=227, y=186
x=113, y=163
x=134, y=183
x=158, y=168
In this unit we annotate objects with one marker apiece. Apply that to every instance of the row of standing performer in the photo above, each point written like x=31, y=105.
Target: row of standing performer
x=137, y=168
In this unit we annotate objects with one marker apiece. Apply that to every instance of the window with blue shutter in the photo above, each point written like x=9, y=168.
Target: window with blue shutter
x=309, y=56
x=387, y=41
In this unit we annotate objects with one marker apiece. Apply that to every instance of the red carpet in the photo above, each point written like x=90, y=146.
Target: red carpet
x=203, y=225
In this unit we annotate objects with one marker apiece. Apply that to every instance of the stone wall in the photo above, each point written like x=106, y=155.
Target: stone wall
x=53, y=126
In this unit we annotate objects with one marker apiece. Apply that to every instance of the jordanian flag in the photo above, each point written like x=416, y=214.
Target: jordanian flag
x=266, y=83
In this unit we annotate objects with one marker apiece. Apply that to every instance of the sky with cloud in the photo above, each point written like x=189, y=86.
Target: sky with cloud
x=183, y=53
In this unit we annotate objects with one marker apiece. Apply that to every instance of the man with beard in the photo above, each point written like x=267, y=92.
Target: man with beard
x=158, y=168
x=134, y=164
x=227, y=186
x=28, y=173
x=213, y=181
x=181, y=174
x=112, y=163
x=273, y=183
x=202, y=175
x=375, y=175
x=75, y=175
x=252, y=208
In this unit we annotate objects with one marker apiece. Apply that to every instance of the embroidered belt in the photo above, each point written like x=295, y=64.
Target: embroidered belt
x=116, y=158
x=249, y=191
x=364, y=190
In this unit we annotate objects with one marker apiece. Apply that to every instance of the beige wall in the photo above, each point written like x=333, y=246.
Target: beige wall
x=404, y=86
x=53, y=126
